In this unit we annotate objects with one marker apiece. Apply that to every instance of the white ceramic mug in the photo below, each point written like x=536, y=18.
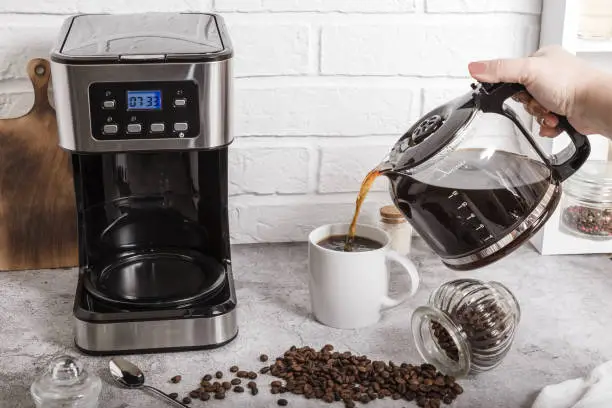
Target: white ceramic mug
x=349, y=290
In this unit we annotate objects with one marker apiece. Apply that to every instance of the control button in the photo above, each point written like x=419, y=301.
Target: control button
x=109, y=104
x=157, y=127
x=110, y=129
x=180, y=126
x=180, y=102
x=134, y=128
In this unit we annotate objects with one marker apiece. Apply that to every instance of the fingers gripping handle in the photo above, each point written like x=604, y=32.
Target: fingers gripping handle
x=410, y=270
x=563, y=164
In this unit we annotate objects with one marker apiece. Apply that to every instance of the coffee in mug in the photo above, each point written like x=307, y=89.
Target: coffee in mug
x=359, y=244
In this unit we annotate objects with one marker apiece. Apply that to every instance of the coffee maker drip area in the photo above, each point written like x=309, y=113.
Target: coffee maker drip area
x=154, y=248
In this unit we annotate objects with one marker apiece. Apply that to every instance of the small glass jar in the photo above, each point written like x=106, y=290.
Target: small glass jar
x=586, y=207
x=66, y=384
x=467, y=327
x=400, y=231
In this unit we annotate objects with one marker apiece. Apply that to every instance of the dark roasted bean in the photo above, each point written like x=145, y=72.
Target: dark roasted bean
x=235, y=381
x=207, y=377
x=176, y=379
x=254, y=391
x=238, y=388
x=263, y=358
x=219, y=395
x=219, y=374
x=227, y=385
x=186, y=400
x=282, y=402
x=204, y=396
x=173, y=395
x=234, y=369
x=194, y=394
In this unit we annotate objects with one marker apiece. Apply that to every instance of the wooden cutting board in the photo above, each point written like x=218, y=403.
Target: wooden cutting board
x=37, y=205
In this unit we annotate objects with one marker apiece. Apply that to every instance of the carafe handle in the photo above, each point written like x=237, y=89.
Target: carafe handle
x=563, y=164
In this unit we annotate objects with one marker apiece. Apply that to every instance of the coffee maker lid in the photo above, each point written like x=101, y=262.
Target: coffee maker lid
x=143, y=37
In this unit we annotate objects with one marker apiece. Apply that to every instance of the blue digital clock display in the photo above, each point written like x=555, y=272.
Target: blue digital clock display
x=144, y=100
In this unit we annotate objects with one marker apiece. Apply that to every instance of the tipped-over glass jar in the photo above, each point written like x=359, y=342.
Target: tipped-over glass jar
x=66, y=384
x=467, y=327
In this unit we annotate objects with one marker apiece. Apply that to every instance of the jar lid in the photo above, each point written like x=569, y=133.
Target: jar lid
x=592, y=182
x=66, y=378
x=391, y=211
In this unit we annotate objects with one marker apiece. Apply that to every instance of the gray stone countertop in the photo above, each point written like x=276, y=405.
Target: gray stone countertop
x=566, y=306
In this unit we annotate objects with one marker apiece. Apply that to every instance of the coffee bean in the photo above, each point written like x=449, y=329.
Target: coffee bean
x=219, y=374
x=252, y=384
x=263, y=358
x=254, y=391
x=204, y=396
x=176, y=379
x=235, y=381
x=282, y=402
x=219, y=395
x=277, y=384
x=186, y=400
x=264, y=370
x=234, y=369
x=173, y=395
x=207, y=377
x=252, y=375
x=194, y=394
x=238, y=388
x=242, y=374
x=227, y=385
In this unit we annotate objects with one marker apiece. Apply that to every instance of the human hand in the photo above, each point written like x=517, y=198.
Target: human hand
x=556, y=80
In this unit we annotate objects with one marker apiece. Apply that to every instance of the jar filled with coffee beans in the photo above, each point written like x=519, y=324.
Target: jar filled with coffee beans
x=586, y=207
x=467, y=327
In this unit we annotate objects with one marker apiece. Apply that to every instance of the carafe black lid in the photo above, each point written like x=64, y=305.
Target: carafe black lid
x=437, y=132
x=142, y=37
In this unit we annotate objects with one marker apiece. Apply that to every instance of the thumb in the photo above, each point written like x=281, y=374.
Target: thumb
x=500, y=70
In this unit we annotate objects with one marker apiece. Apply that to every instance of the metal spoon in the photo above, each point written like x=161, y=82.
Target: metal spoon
x=130, y=376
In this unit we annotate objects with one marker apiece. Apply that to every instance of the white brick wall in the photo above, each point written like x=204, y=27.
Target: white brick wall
x=323, y=88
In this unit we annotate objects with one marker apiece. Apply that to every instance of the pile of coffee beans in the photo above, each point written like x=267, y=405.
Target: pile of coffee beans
x=589, y=221
x=332, y=376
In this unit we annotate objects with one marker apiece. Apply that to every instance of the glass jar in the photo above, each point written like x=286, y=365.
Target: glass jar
x=400, y=231
x=595, y=21
x=586, y=207
x=467, y=326
x=66, y=384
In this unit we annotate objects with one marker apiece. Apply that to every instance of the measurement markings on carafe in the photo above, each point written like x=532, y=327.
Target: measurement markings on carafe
x=144, y=110
x=467, y=216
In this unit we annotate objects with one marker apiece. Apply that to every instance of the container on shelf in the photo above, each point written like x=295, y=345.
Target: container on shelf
x=395, y=224
x=595, y=20
x=467, y=326
x=586, y=206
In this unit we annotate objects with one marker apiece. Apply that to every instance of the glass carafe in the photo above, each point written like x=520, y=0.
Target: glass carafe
x=476, y=197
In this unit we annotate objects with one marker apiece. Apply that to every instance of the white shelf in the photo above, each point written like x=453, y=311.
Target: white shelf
x=560, y=20
x=599, y=46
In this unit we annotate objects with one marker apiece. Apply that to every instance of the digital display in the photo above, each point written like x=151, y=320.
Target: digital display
x=144, y=100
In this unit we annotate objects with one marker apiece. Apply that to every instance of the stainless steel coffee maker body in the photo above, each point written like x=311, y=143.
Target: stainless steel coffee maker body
x=144, y=106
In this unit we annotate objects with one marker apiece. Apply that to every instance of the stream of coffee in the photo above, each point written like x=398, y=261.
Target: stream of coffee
x=363, y=192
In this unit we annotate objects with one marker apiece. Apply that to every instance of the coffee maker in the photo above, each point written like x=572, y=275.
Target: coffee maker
x=144, y=105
